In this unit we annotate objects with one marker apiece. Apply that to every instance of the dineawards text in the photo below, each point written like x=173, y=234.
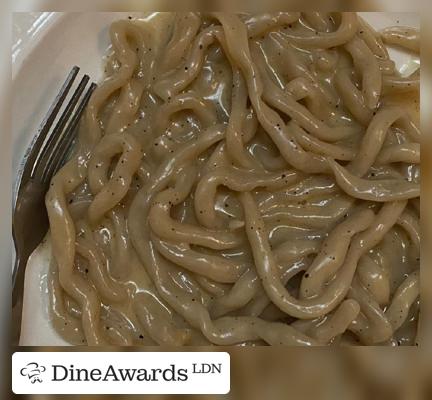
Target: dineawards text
x=113, y=374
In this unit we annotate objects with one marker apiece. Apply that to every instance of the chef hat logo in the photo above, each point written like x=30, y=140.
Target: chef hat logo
x=33, y=371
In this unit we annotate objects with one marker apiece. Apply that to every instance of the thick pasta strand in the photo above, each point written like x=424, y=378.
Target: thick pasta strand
x=343, y=34
x=365, y=62
x=404, y=36
x=333, y=250
x=259, y=24
x=375, y=190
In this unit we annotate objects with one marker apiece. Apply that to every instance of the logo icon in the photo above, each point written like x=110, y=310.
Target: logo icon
x=33, y=371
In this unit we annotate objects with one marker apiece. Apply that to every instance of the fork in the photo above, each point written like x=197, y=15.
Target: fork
x=47, y=153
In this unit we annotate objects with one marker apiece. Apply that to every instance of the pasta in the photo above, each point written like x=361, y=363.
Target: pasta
x=242, y=180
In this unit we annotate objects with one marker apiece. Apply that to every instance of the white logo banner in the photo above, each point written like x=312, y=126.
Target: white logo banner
x=121, y=373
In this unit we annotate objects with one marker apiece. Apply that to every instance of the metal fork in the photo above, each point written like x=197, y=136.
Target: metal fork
x=45, y=156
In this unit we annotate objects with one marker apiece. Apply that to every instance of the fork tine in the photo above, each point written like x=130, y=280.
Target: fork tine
x=63, y=146
x=56, y=135
x=34, y=149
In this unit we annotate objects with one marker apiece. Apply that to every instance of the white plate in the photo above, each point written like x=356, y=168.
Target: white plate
x=46, y=46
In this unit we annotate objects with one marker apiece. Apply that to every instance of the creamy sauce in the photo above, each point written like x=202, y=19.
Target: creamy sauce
x=241, y=180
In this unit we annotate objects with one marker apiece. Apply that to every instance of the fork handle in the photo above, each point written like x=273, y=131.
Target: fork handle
x=17, y=281
x=17, y=299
